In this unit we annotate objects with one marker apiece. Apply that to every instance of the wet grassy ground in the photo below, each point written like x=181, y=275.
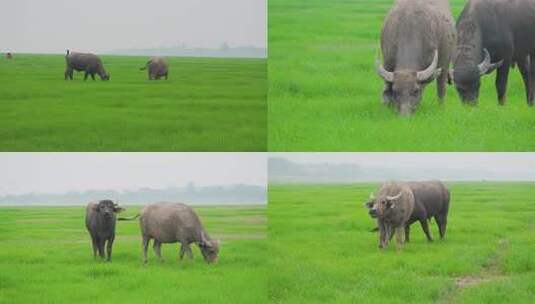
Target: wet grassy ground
x=46, y=257
x=208, y=104
x=323, y=251
x=325, y=94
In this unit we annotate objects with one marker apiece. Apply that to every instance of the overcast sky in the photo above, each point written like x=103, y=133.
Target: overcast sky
x=520, y=166
x=61, y=172
x=52, y=26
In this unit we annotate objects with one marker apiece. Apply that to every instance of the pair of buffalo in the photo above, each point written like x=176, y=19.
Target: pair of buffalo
x=419, y=40
x=162, y=222
x=91, y=65
x=397, y=205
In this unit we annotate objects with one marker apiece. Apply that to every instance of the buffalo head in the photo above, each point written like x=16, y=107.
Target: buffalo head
x=209, y=248
x=108, y=208
x=380, y=206
x=467, y=78
x=407, y=85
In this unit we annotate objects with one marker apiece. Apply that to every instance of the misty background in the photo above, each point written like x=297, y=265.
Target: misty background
x=133, y=178
x=378, y=167
x=197, y=28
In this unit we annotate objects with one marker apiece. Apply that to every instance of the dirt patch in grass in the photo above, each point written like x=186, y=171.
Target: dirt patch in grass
x=491, y=271
x=468, y=281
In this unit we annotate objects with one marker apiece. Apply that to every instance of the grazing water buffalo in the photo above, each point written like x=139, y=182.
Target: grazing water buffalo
x=157, y=68
x=431, y=200
x=495, y=34
x=171, y=223
x=9, y=55
x=417, y=43
x=392, y=206
x=100, y=222
x=89, y=63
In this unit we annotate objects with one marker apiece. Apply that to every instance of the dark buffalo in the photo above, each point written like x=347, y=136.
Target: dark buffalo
x=417, y=43
x=495, y=34
x=157, y=68
x=172, y=223
x=9, y=55
x=89, y=63
x=431, y=200
x=392, y=207
x=100, y=222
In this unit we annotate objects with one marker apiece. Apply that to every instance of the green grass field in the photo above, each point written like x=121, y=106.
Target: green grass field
x=46, y=257
x=208, y=104
x=324, y=93
x=323, y=251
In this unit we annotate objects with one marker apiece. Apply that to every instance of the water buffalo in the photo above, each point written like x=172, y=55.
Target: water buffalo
x=157, y=68
x=417, y=42
x=431, y=200
x=100, y=222
x=9, y=55
x=89, y=63
x=495, y=34
x=392, y=207
x=175, y=222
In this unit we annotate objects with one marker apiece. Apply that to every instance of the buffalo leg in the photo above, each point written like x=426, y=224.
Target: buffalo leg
x=85, y=75
x=387, y=93
x=524, y=67
x=501, y=82
x=185, y=249
x=145, y=248
x=93, y=76
x=158, y=249
x=442, y=221
x=441, y=84
x=425, y=228
x=382, y=236
x=95, y=246
x=181, y=254
x=407, y=233
x=100, y=244
x=68, y=73
x=399, y=237
x=109, y=247
x=531, y=97
x=165, y=76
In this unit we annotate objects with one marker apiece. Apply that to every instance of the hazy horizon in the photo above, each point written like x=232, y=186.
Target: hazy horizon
x=51, y=27
x=56, y=173
x=337, y=167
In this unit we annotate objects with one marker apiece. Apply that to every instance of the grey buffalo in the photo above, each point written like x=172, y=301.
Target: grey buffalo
x=89, y=63
x=100, y=221
x=172, y=223
x=495, y=34
x=431, y=200
x=392, y=206
x=417, y=42
x=157, y=68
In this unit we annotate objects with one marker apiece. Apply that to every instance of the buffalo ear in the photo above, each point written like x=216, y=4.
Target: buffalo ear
x=389, y=204
x=369, y=204
x=118, y=209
